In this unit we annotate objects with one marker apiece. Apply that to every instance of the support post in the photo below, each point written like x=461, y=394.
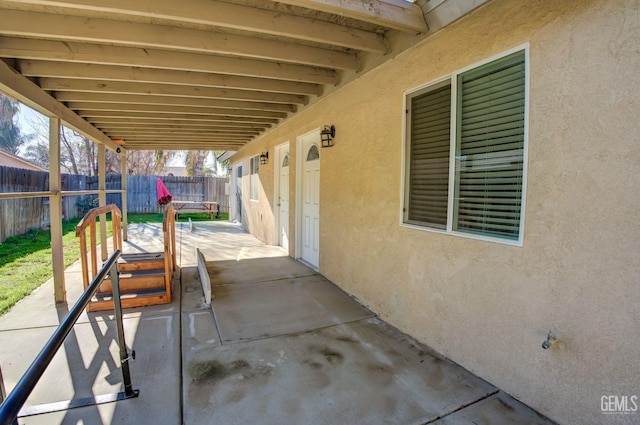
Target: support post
x=55, y=211
x=102, y=199
x=123, y=186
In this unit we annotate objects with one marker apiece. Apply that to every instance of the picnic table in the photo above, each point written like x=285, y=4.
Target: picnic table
x=207, y=207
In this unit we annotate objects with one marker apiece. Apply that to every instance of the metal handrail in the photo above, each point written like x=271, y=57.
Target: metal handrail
x=10, y=408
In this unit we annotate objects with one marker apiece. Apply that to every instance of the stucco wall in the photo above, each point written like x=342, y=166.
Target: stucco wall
x=485, y=305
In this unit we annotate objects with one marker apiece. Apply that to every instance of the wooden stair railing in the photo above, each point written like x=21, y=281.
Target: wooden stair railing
x=89, y=221
x=145, y=277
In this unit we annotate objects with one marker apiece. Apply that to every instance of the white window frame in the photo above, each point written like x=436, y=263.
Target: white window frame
x=254, y=179
x=452, y=78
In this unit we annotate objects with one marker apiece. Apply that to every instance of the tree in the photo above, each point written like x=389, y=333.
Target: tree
x=78, y=154
x=11, y=137
x=144, y=162
x=194, y=161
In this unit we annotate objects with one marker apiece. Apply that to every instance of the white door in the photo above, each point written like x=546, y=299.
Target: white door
x=311, y=200
x=283, y=200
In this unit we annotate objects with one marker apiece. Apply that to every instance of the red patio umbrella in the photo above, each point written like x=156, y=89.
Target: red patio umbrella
x=164, y=196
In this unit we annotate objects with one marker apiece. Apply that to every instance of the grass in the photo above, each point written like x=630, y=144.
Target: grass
x=157, y=218
x=25, y=260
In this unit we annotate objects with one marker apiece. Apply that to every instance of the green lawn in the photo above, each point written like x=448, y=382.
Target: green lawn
x=25, y=260
x=157, y=218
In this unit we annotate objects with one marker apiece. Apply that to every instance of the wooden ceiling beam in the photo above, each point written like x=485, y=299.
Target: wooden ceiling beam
x=151, y=123
x=172, y=109
x=43, y=68
x=397, y=14
x=196, y=138
x=227, y=15
x=165, y=117
x=23, y=48
x=111, y=32
x=122, y=87
x=106, y=128
x=124, y=134
x=104, y=98
x=172, y=146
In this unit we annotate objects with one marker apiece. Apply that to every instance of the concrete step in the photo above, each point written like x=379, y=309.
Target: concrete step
x=141, y=261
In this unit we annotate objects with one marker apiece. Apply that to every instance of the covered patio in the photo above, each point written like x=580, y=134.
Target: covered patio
x=396, y=147
x=279, y=344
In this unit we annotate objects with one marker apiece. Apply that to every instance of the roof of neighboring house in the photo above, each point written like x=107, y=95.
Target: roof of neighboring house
x=179, y=171
x=10, y=160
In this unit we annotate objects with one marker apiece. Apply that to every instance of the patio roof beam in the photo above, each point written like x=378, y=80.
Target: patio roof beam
x=83, y=107
x=152, y=89
x=171, y=126
x=23, y=48
x=171, y=145
x=76, y=28
x=235, y=16
x=44, y=68
x=126, y=134
x=184, y=136
x=105, y=98
x=211, y=138
x=140, y=123
x=165, y=117
x=27, y=92
x=396, y=14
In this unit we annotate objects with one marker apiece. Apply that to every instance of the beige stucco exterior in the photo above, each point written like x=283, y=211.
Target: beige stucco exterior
x=489, y=306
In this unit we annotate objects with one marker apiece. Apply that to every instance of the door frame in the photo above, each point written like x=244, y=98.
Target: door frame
x=299, y=199
x=276, y=190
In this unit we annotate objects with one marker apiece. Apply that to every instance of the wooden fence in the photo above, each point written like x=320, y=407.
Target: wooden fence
x=19, y=215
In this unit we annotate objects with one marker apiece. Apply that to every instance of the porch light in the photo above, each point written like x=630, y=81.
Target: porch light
x=326, y=135
x=264, y=158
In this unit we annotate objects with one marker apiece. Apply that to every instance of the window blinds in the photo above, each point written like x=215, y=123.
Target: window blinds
x=429, y=157
x=490, y=148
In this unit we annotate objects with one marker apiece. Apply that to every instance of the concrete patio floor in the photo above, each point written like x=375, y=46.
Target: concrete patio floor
x=279, y=344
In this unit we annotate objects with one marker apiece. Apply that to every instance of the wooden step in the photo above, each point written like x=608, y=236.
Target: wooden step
x=141, y=261
x=143, y=298
x=135, y=281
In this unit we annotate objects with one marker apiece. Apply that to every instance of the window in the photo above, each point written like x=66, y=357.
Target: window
x=313, y=153
x=254, y=179
x=465, y=153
